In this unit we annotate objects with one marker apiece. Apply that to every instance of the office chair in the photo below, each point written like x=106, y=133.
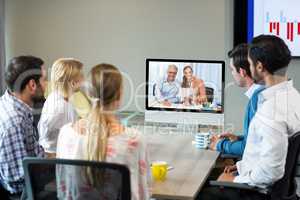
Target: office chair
x=77, y=179
x=209, y=94
x=283, y=189
x=3, y=192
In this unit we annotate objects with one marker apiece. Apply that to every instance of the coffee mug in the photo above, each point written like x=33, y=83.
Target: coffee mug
x=159, y=170
x=202, y=140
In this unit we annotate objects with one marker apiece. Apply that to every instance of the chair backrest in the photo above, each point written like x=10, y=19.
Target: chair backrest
x=285, y=188
x=75, y=179
x=209, y=94
x=3, y=192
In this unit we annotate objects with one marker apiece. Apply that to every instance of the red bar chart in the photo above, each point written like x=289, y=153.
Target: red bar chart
x=280, y=18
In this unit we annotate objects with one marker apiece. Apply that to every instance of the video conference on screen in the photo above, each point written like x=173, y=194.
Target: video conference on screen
x=191, y=86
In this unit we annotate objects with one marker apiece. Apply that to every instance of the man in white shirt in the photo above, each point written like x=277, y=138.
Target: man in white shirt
x=277, y=118
x=167, y=89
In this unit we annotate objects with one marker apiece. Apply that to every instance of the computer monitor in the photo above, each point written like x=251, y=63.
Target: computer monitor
x=185, y=91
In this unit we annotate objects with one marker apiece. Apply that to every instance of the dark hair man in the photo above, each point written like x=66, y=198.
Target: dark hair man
x=276, y=119
x=25, y=77
x=229, y=143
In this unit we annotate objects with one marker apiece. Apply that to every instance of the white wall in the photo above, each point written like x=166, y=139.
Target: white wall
x=124, y=33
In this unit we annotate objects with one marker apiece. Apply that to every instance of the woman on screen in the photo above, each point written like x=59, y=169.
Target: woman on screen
x=193, y=88
x=101, y=137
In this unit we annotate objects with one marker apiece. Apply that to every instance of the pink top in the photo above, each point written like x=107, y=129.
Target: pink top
x=128, y=148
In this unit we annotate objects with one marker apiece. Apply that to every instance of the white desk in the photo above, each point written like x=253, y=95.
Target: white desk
x=191, y=166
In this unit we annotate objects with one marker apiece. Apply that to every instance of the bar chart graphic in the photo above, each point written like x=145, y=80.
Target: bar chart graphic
x=277, y=27
x=281, y=18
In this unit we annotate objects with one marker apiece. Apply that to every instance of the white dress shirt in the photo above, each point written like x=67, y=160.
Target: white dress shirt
x=252, y=89
x=277, y=118
x=56, y=113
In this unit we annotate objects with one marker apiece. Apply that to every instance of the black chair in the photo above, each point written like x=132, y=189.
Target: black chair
x=3, y=193
x=283, y=189
x=209, y=94
x=60, y=179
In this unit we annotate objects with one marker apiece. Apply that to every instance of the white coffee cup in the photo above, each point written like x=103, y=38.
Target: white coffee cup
x=202, y=140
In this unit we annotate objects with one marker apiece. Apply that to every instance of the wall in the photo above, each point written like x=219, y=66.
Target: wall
x=2, y=44
x=125, y=33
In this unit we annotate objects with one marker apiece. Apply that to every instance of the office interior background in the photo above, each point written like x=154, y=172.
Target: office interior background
x=125, y=33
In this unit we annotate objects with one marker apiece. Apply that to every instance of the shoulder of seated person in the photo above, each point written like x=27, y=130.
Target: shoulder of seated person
x=132, y=132
x=80, y=126
x=197, y=80
x=272, y=105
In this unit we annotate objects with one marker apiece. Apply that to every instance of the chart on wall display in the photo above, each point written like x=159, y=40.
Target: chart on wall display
x=276, y=17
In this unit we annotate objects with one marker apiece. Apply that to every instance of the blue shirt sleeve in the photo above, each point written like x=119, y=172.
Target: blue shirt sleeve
x=237, y=147
x=225, y=146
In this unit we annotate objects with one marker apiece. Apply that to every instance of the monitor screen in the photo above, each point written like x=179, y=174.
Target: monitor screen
x=185, y=85
x=276, y=17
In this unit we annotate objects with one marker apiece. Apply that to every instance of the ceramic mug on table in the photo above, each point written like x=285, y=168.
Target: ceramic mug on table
x=159, y=170
x=202, y=140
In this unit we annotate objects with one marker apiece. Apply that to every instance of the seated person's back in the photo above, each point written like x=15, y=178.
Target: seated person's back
x=18, y=136
x=276, y=119
x=100, y=137
x=66, y=78
x=126, y=148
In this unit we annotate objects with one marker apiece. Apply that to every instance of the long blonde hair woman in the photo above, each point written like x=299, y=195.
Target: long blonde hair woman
x=101, y=137
x=66, y=79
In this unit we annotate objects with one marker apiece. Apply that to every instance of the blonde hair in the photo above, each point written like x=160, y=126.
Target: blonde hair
x=63, y=71
x=106, y=85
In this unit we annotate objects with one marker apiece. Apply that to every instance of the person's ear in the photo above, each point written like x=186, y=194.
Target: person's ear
x=72, y=84
x=32, y=85
x=259, y=66
x=243, y=73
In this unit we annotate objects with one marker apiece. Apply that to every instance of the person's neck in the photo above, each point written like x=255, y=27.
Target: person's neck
x=249, y=83
x=24, y=98
x=271, y=80
x=169, y=80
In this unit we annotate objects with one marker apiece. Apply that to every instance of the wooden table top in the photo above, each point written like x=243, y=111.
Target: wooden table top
x=191, y=165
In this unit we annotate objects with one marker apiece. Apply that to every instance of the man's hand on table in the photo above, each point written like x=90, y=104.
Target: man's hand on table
x=229, y=174
x=215, y=139
x=229, y=136
x=213, y=142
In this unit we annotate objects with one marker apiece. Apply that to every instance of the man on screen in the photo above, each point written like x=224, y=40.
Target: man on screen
x=167, y=89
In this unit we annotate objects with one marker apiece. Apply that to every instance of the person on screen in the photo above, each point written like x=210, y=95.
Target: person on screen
x=66, y=79
x=101, y=137
x=230, y=143
x=167, y=89
x=193, y=88
x=276, y=119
